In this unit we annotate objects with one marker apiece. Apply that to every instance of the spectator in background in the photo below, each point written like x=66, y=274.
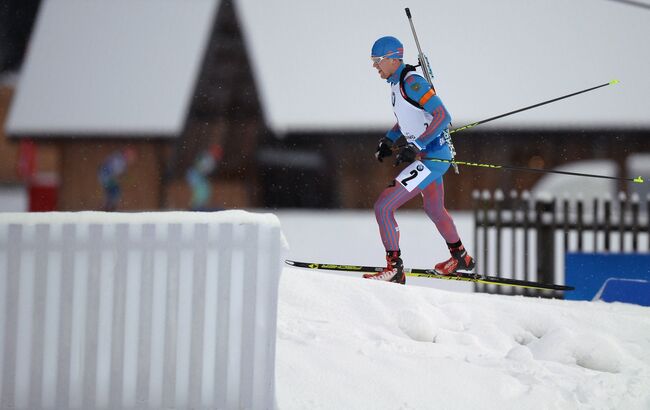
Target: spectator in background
x=197, y=176
x=109, y=172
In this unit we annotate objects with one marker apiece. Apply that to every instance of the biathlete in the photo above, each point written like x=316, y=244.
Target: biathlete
x=422, y=120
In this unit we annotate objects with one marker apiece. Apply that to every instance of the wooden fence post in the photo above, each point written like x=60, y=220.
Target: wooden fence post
x=545, y=240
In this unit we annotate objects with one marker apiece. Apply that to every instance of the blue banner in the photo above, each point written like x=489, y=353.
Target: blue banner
x=589, y=271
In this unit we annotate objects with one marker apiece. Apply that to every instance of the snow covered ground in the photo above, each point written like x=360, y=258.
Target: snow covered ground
x=348, y=343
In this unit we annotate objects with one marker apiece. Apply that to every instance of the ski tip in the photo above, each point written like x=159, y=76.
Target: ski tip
x=614, y=82
x=638, y=180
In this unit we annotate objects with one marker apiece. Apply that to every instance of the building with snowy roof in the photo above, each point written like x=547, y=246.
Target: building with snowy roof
x=289, y=91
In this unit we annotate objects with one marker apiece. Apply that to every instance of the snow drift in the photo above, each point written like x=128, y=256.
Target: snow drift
x=347, y=343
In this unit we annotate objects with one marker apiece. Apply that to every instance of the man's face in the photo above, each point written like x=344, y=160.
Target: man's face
x=385, y=66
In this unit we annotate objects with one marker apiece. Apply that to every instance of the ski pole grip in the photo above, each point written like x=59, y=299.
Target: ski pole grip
x=408, y=12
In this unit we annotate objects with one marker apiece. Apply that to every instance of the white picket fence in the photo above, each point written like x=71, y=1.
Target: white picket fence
x=148, y=310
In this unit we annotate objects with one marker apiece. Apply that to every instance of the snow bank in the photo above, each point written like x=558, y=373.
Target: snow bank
x=355, y=344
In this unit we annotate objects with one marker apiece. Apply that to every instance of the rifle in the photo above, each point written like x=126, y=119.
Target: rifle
x=428, y=75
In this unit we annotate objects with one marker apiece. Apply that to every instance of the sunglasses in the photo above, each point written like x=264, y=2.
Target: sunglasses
x=377, y=60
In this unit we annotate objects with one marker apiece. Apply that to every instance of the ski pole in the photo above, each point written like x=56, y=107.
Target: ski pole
x=468, y=126
x=638, y=180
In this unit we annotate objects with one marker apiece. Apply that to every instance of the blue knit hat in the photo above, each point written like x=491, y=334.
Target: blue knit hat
x=387, y=47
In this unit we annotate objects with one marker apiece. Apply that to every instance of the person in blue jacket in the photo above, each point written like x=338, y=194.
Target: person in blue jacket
x=422, y=121
x=197, y=176
x=109, y=173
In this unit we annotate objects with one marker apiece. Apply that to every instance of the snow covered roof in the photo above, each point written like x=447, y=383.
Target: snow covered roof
x=111, y=67
x=312, y=67
x=563, y=186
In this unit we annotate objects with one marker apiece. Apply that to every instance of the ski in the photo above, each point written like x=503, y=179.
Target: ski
x=429, y=273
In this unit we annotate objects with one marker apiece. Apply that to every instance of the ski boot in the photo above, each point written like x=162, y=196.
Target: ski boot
x=394, y=271
x=460, y=260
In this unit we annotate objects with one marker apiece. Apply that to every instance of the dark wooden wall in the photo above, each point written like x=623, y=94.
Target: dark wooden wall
x=358, y=177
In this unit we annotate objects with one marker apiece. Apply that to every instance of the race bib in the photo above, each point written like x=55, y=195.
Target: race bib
x=412, y=175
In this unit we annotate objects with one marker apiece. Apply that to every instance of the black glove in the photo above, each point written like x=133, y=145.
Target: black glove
x=406, y=154
x=384, y=149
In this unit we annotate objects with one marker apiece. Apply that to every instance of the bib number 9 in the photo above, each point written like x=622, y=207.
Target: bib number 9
x=413, y=175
